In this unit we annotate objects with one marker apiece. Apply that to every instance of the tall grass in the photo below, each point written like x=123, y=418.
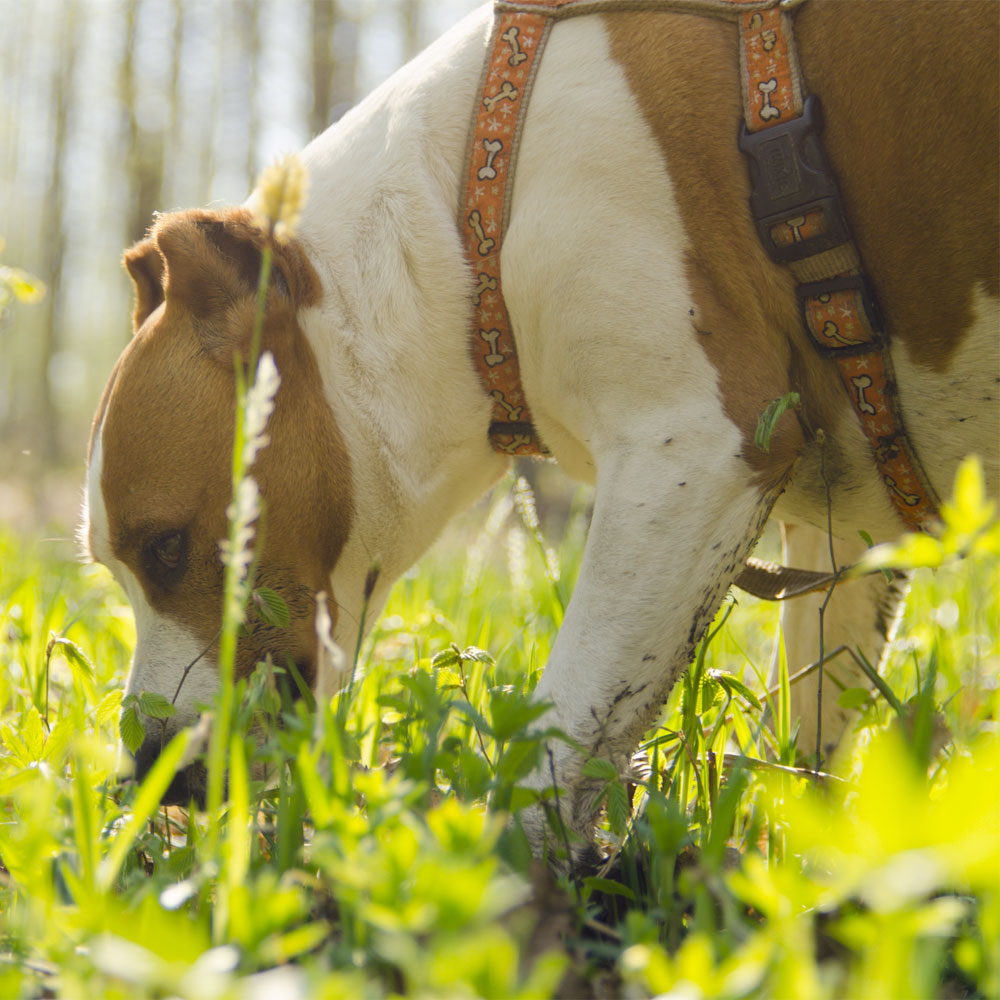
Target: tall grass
x=378, y=860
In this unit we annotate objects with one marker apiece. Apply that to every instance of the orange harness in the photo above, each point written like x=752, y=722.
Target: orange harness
x=795, y=203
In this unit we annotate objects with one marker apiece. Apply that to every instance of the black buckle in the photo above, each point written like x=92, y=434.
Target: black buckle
x=791, y=177
x=869, y=303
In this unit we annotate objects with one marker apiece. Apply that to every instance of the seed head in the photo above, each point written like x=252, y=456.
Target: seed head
x=371, y=579
x=260, y=405
x=281, y=193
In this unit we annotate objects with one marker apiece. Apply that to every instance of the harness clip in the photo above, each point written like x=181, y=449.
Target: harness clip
x=795, y=202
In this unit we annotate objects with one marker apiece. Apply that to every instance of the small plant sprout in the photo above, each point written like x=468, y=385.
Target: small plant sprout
x=768, y=420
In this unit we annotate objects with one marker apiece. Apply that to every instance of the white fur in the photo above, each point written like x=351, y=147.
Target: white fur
x=391, y=335
x=952, y=414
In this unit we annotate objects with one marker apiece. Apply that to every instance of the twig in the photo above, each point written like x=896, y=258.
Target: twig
x=187, y=669
x=574, y=877
x=811, y=669
x=755, y=764
x=371, y=579
x=837, y=571
x=465, y=691
x=596, y=925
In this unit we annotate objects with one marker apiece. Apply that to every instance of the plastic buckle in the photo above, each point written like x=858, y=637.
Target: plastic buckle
x=791, y=178
x=869, y=303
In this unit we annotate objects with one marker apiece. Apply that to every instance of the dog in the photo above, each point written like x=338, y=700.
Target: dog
x=652, y=331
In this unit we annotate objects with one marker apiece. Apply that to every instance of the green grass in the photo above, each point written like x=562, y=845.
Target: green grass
x=377, y=861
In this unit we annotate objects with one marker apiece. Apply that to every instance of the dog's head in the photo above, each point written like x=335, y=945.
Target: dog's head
x=160, y=462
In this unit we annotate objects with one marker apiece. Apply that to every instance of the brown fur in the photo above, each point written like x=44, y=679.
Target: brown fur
x=907, y=145
x=185, y=352
x=912, y=102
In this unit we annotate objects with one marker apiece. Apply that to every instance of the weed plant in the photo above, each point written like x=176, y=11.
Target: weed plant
x=378, y=860
x=365, y=847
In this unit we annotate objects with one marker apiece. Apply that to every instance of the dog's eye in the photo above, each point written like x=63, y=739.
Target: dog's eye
x=169, y=549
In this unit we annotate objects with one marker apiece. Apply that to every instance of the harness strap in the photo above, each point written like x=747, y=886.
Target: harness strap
x=796, y=205
x=802, y=223
x=514, y=51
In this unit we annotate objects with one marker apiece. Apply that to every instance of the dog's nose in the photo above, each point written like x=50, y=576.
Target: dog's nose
x=187, y=784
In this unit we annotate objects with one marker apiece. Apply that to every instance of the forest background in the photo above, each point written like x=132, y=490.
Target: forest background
x=111, y=110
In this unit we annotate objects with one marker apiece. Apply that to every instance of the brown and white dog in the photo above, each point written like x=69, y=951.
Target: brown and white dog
x=652, y=331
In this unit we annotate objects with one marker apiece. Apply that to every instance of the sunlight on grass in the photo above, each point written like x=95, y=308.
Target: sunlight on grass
x=376, y=860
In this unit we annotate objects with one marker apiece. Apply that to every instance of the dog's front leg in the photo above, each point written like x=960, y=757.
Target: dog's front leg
x=673, y=522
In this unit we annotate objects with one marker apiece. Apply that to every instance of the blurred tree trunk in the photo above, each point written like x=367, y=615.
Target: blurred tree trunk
x=334, y=39
x=323, y=14
x=411, y=27
x=250, y=24
x=173, y=136
x=346, y=34
x=213, y=16
x=54, y=227
x=143, y=148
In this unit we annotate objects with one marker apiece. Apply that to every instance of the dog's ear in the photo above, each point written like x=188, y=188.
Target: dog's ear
x=145, y=266
x=212, y=260
x=210, y=268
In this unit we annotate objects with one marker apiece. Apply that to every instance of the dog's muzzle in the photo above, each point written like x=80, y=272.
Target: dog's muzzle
x=188, y=784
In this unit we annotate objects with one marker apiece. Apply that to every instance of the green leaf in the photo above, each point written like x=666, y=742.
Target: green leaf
x=75, y=656
x=518, y=760
x=448, y=679
x=58, y=741
x=970, y=510
x=109, y=706
x=453, y=655
x=156, y=705
x=912, y=551
x=447, y=657
x=33, y=734
x=853, y=697
x=271, y=607
x=768, y=420
x=711, y=692
x=479, y=723
x=618, y=807
x=521, y=798
x=510, y=713
x=734, y=685
x=601, y=768
x=130, y=727
x=16, y=746
x=609, y=887
x=147, y=801
x=282, y=948
x=477, y=655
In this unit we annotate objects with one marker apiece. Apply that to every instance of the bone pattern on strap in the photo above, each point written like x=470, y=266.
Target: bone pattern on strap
x=839, y=310
x=514, y=51
x=520, y=29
